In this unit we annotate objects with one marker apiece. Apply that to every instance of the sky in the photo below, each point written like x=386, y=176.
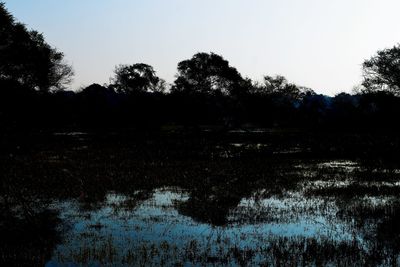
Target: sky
x=320, y=44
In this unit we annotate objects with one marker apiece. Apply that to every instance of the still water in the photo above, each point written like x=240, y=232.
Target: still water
x=148, y=228
x=83, y=200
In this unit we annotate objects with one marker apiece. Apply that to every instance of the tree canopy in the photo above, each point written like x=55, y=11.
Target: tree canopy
x=207, y=91
x=209, y=74
x=280, y=85
x=138, y=77
x=382, y=71
x=27, y=59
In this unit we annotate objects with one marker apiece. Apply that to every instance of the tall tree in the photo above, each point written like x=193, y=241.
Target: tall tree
x=27, y=59
x=382, y=71
x=136, y=78
x=208, y=74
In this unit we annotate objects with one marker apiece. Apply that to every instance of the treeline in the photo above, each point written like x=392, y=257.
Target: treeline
x=207, y=91
x=99, y=107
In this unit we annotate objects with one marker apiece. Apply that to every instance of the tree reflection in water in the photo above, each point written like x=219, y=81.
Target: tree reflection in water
x=123, y=202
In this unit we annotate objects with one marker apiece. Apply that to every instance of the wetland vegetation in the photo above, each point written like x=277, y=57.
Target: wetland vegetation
x=203, y=199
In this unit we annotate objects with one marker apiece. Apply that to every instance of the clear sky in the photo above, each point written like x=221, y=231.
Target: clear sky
x=316, y=43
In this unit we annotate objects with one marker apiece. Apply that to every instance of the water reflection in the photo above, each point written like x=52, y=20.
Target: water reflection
x=238, y=203
x=157, y=231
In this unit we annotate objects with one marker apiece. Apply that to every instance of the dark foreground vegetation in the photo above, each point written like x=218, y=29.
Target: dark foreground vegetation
x=214, y=169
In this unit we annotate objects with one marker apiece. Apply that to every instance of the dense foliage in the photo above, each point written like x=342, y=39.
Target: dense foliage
x=207, y=91
x=27, y=60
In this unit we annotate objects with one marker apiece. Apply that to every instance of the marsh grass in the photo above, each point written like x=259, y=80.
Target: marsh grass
x=248, y=198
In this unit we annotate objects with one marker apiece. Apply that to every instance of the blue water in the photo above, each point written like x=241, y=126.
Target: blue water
x=154, y=233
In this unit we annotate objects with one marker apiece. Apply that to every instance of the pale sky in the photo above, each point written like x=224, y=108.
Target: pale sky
x=316, y=43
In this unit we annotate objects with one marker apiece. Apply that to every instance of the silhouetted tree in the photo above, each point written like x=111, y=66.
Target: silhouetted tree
x=207, y=91
x=208, y=74
x=137, y=78
x=279, y=85
x=382, y=71
x=26, y=58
